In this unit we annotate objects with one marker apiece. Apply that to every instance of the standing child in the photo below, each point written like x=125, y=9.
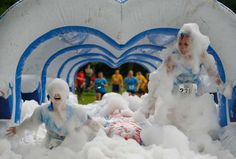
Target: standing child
x=117, y=81
x=100, y=86
x=131, y=83
x=80, y=83
x=142, y=83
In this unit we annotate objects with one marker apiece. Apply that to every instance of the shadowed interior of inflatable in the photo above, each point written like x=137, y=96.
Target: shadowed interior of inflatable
x=79, y=45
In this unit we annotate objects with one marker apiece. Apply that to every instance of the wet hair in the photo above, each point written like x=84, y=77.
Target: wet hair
x=100, y=72
x=184, y=34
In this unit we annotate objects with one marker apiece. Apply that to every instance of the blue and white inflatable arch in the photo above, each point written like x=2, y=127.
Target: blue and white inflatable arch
x=53, y=38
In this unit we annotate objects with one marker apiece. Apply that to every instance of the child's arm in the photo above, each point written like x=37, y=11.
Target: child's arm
x=29, y=123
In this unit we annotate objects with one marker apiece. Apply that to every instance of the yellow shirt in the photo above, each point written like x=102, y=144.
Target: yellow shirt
x=142, y=82
x=117, y=79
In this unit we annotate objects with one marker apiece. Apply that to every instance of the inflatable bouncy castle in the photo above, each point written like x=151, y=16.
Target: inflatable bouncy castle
x=48, y=39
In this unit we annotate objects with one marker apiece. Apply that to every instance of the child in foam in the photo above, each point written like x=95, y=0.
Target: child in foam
x=59, y=117
x=123, y=125
x=182, y=67
x=191, y=57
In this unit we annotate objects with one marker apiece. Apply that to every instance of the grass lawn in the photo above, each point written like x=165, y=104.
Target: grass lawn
x=89, y=97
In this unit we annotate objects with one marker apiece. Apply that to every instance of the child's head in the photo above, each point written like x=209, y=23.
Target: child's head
x=100, y=74
x=58, y=91
x=138, y=73
x=190, y=41
x=117, y=71
x=130, y=73
x=184, y=44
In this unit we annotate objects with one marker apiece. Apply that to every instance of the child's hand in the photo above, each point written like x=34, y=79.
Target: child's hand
x=11, y=131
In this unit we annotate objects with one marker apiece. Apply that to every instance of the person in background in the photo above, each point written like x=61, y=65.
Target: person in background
x=60, y=117
x=142, y=83
x=147, y=78
x=131, y=83
x=88, y=74
x=80, y=83
x=92, y=82
x=117, y=81
x=100, y=86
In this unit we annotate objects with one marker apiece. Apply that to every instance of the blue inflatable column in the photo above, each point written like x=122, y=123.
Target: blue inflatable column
x=6, y=105
x=222, y=110
x=232, y=106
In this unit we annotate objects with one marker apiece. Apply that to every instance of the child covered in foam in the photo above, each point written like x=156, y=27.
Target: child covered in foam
x=167, y=103
x=114, y=114
x=59, y=117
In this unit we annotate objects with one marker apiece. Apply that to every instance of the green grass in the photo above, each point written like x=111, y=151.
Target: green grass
x=89, y=97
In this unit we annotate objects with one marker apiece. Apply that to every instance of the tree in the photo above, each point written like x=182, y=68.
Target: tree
x=230, y=4
x=4, y=4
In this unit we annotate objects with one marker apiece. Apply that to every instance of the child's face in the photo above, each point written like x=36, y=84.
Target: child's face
x=184, y=45
x=56, y=99
x=100, y=75
x=130, y=74
x=117, y=72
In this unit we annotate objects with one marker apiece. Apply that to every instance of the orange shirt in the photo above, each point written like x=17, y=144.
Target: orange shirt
x=142, y=82
x=117, y=79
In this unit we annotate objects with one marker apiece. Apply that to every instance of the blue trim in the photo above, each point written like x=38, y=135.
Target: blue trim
x=141, y=56
x=34, y=95
x=154, y=47
x=222, y=110
x=10, y=98
x=39, y=92
x=91, y=46
x=50, y=107
x=124, y=55
x=153, y=37
x=78, y=56
x=117, y=65
x=6, y=104
x=82, y=37
x=232, y=106
x=121, y=1
x=221, y=98
x=144, y=46
x=219, y=64
x=55, y=32
x=63, y=51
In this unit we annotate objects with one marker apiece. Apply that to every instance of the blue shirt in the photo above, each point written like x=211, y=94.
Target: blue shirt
x=131, y=83
x=100, y=85
x=57, y=129
x=187, y=75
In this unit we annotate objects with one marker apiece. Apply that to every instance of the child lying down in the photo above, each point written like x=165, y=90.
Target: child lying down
x=124, y=126
x=115, y=117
